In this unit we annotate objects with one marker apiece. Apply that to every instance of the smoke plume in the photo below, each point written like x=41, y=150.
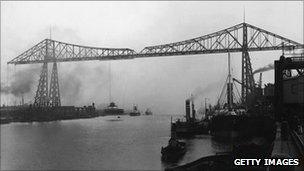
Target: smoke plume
x=80, y=84
x=201, y=92
x=265, y=68
x=22, y=82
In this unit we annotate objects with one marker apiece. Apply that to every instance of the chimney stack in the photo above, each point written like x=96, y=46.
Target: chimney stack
x=193, y=111
x=188, y=110
x=22, y=100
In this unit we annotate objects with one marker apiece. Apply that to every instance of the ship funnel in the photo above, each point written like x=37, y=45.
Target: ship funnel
x=193, y=111
x=188, y=110
x=22, y=100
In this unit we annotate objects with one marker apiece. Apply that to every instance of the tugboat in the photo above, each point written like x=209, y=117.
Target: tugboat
x=191, y=126
x=135, y=111
x=148, y=112
x=174, y=150
x=112, y=109
x=116, y=118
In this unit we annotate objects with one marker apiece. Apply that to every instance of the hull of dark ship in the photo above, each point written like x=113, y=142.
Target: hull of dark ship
x=114, y=112
x=134, y=114
x=171, y=154
x=184, y=129
x=224, y=127
x=148, y=113
x=242, y=127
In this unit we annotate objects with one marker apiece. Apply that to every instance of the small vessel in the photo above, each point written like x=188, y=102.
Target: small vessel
x=174, y=150
x=252, y=129
x=191, y=126
x=135, y=111
x=118, y=118
x=112, y=109
x=148, y=112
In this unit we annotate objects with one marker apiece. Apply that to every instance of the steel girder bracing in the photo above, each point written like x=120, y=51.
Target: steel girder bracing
x=54, y=95
x=41, y=98
x=64, y=52
x=247, y=76
x=229, y=39
x=239, y=38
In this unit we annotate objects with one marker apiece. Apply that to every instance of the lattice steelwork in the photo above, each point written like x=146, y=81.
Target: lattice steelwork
x=42, y=98
x=230, y=39
x=63, y=52
x=239, y=38
x=54, y=87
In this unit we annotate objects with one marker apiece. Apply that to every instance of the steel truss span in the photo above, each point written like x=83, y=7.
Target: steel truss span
x=54, y=51
x=239, y=38
x=230, y=39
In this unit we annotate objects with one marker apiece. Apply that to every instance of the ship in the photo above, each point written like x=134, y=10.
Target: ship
x=251, y=130
x=112, y=109
x=148, y=112
x=135, y=111
x=192, y=126
x=174, y=151
x=231, y=121
x=226, y=116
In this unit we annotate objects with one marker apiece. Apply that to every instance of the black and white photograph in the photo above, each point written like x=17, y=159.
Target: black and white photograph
x=152, y=85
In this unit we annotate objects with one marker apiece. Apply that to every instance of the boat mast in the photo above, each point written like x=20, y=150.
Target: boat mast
x=110, y=92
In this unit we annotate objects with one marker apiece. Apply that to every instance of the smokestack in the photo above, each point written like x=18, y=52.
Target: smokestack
x=188, y=110
x=193, y=111
x=260, y=82
x=22, y=100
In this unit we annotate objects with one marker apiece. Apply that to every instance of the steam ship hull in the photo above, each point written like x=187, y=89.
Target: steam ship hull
x=224, y=127
x=242, y=127
x=134, y=114
x=183, y=129
x=114, y=111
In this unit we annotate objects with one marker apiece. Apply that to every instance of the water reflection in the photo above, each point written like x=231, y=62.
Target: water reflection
x=197, y=147
x=134, y=143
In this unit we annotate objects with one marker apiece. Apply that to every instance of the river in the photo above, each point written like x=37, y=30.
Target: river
x=103, y=143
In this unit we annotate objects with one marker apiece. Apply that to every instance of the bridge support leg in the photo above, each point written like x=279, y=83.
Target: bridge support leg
x=41, y=98
x=247, y=76
x=54, y=87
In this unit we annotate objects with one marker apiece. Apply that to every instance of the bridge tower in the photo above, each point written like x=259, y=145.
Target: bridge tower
x=247, y=76
x=45, y=97
x=42, y=98
x=54, y=87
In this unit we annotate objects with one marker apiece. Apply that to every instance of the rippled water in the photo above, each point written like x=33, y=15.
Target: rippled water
x=101, y=143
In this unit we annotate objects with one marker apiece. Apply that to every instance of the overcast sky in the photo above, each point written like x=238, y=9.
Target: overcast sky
x=160, y=83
